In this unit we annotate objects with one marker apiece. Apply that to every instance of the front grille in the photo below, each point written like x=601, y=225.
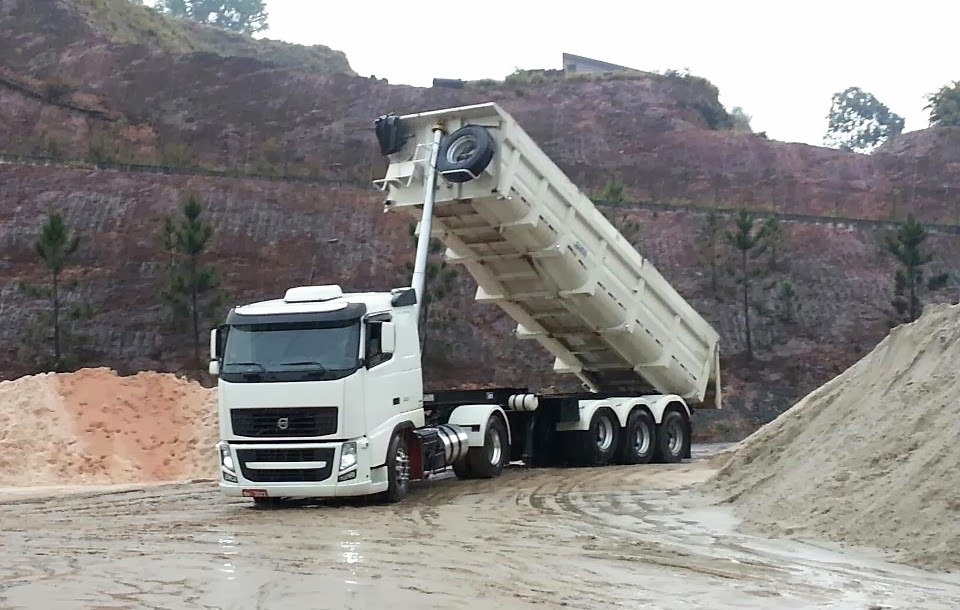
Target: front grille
x=284, y=422
x=284, y=455
x=300, y=475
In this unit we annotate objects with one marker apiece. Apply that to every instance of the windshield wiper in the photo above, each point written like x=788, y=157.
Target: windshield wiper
x=256, y=364
x=312, y=363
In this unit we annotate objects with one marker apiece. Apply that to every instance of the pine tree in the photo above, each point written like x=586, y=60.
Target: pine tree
x=55, y=246
x=773, y=234
x=612, y=192
x=784, y=308
x=192, y=289
x=907, y=250
x=787, y=302
x=749, y=241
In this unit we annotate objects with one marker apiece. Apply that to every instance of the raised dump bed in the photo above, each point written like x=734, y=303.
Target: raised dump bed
x=539, y=249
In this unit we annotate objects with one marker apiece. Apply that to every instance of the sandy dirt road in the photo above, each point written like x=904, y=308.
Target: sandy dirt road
x=616, y=537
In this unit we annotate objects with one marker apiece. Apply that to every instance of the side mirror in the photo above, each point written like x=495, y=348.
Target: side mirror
x=388, y=337
x=217, y=336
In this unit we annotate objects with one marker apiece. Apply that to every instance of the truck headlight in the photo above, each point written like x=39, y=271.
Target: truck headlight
x=225, y=458
x=348, y=455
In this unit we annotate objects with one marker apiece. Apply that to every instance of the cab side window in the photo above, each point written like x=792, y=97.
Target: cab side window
x=375, y=355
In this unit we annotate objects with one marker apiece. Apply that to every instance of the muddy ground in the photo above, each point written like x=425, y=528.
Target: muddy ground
x=616, y=537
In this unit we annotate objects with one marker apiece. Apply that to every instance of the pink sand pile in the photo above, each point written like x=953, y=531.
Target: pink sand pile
x=95, y=427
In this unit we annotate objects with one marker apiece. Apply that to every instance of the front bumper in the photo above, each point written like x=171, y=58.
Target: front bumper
x=279, y=471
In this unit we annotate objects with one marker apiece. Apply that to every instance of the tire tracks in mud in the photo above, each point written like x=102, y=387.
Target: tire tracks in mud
x=615, y=525
x=500, y=543
x=631, y=526
x=568, y=498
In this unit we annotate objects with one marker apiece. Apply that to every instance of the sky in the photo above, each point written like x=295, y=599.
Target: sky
x=781, y=62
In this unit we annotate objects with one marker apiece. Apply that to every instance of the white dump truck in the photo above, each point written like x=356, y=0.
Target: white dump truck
x=321, y=392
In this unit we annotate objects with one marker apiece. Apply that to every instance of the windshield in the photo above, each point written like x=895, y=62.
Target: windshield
x=328, y=349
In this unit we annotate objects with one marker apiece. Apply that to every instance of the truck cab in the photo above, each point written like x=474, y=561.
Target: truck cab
x=312, y=388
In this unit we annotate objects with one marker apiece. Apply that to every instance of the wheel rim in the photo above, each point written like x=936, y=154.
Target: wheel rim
x=642, y=440
x=402, y=465
x=461, y=149
x=604, y=433
x=495, y=450
x=675, y=437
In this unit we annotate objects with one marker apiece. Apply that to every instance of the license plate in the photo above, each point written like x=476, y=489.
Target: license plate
x=254, y=493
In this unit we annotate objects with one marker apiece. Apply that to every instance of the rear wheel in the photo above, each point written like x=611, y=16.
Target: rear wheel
x=673, y=437
x=640, y=437
x=599, y=443
x=488, y=461
x=462, y=469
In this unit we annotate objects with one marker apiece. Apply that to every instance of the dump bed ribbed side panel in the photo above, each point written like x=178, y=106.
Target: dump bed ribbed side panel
x=541, y=251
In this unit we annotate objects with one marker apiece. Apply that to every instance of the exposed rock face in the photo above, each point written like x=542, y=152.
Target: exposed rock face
x=74, y=87
x=272, y=235
x=189, y=98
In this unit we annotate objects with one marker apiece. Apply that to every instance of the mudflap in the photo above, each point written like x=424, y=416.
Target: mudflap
x=545, y=449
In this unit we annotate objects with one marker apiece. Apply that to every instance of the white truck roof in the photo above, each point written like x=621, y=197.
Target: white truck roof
x=540, y=250
x=317, y=299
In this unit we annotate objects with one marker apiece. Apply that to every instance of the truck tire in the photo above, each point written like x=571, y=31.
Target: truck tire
x=398, y=468
x=673, y=437
x=639, y=440
x=469, y=148
x=488, y=461
x=462, y=469
x=599, y=444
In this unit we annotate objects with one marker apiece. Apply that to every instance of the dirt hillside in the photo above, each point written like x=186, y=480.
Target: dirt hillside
x=95, y=427
x=870, y=458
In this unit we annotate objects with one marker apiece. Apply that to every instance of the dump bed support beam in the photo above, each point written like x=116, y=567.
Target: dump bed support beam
x=426, y=223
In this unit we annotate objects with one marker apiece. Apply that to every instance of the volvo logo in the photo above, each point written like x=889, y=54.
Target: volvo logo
x=283, y=423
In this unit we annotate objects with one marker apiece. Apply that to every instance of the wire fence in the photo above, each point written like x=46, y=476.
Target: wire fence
x=833, y=220
x=136, y=168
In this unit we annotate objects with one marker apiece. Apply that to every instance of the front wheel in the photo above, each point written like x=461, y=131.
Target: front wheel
x=398, y=468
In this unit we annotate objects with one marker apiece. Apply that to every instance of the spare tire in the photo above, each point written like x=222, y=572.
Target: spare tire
x=465, y=153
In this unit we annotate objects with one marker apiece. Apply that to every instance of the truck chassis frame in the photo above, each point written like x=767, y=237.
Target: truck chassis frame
x=535, y=438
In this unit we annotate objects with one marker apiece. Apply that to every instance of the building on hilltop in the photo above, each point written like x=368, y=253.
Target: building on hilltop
x=578, y=64
x=449, y=83
x=572, y=64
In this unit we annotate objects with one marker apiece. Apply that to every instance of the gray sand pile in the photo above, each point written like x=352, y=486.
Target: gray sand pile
x=871, y=458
